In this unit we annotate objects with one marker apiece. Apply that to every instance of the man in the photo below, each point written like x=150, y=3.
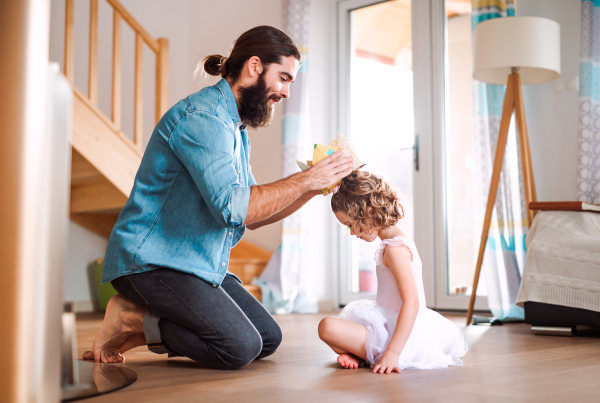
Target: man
x=193, y=196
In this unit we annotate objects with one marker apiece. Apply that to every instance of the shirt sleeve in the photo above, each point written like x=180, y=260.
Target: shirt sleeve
x=204, y=144
x=251, y=180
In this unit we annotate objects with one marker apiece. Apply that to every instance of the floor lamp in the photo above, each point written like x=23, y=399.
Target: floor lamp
x=526, y=50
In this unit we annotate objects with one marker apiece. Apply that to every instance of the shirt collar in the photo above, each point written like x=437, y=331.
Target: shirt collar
x=225, y=89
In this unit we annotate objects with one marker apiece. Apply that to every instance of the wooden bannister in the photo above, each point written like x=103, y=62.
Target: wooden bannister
x=151, y=42
x=159, y=46
x=69, y=26
x=162, y=78
x=138, y=106
x=93, y=63
x=116, y=70
x=105, y=160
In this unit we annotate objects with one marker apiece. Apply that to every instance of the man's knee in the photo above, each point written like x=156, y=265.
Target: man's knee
x=243, y=350
x=272, y=338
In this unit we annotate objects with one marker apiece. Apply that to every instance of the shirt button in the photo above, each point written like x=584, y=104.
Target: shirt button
x=239, y=171
x=230, y=233
x=214, y=286
x=222, y=264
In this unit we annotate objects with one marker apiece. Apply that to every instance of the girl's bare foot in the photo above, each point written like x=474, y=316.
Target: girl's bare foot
x=121, y=321
x=349, y=361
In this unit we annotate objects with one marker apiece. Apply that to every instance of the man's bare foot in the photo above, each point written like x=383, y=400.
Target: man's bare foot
x=349, y=361
x=133, y=341
x=121, y=321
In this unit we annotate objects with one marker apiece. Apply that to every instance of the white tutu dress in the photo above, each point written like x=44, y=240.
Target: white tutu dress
x=434, y=342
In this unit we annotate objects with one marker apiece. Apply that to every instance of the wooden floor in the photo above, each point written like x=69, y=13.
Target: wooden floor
x=504, y=364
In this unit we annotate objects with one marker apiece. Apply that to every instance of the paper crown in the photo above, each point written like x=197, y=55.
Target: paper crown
x=321, y=152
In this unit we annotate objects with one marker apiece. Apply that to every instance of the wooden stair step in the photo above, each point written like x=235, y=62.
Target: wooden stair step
x=254, y=290
x=247, y=261
x=103, y=167
x=99, y=223
x=247, y=269
x=245, y=249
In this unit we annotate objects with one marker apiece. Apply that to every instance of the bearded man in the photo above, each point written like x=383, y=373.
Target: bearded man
x=193, y=197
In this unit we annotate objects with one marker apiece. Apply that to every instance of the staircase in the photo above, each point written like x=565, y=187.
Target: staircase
x=104, y=159
x=248, y=261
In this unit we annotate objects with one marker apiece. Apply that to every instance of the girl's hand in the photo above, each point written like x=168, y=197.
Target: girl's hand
x=387, y=364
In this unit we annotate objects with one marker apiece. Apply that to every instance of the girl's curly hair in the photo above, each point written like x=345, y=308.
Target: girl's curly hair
x=362, y=195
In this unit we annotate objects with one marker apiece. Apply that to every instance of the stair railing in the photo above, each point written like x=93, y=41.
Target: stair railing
x=159, y=46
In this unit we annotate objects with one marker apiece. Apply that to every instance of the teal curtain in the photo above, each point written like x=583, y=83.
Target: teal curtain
x=505, y=248
x=588, y=186
x=286, y=282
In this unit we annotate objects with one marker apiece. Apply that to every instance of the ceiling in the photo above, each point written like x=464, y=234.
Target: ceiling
x=382, y=32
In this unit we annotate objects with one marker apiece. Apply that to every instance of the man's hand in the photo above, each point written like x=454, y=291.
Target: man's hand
x=267, y=200
x=328, y=171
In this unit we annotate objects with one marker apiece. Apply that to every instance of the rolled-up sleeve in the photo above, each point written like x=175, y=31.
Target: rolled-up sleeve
x=251, y=180
x=204, y=144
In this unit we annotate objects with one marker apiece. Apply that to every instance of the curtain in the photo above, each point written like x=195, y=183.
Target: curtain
x=588, y=188
x=505, y=247
x=285, y=283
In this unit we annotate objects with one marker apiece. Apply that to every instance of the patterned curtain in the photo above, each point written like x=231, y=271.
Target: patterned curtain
x=589, y=104
x=285, y=282
x=505, y=248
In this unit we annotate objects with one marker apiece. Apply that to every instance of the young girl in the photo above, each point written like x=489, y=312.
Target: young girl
x=397, y=330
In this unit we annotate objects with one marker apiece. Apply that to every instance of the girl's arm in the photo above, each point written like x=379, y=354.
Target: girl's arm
x=398, y=259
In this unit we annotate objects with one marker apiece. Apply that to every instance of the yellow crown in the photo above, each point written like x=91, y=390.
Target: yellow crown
x=321, y=152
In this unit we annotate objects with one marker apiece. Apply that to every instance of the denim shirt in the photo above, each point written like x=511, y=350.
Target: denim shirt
x=190, y=196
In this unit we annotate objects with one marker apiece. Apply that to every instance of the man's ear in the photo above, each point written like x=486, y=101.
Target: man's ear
x=254, y=66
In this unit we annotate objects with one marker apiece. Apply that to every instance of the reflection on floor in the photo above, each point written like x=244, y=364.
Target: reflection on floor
x=504, y=364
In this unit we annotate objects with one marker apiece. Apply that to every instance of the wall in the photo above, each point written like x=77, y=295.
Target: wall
x=208, y=35
x=551, y=117
x=552, y=114
x=193, y=32
x=323, y=124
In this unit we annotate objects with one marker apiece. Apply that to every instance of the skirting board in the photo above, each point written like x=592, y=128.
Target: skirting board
x=325, y=305
x=82, y=306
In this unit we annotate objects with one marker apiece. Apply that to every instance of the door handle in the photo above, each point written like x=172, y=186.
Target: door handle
x=415, y=149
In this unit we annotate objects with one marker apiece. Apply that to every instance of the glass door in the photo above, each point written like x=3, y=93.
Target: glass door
x=460, y=205
x=405, y=97
x=380, y=92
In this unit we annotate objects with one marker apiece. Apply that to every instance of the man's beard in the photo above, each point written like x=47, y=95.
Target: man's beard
x=255, y=108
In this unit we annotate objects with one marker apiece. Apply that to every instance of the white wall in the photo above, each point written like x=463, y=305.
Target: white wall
x=266, y=157
x=160, y=19
x=552, y=114
x=213, y=26
x=84, y=248
x=323, y=124
x=194, y=31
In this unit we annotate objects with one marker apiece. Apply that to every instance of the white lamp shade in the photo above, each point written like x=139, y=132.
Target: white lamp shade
x=530, y=43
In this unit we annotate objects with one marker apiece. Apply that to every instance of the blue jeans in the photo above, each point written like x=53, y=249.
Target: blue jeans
x=222, y=327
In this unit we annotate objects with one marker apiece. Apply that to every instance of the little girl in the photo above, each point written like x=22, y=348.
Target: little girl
x=397, y=330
